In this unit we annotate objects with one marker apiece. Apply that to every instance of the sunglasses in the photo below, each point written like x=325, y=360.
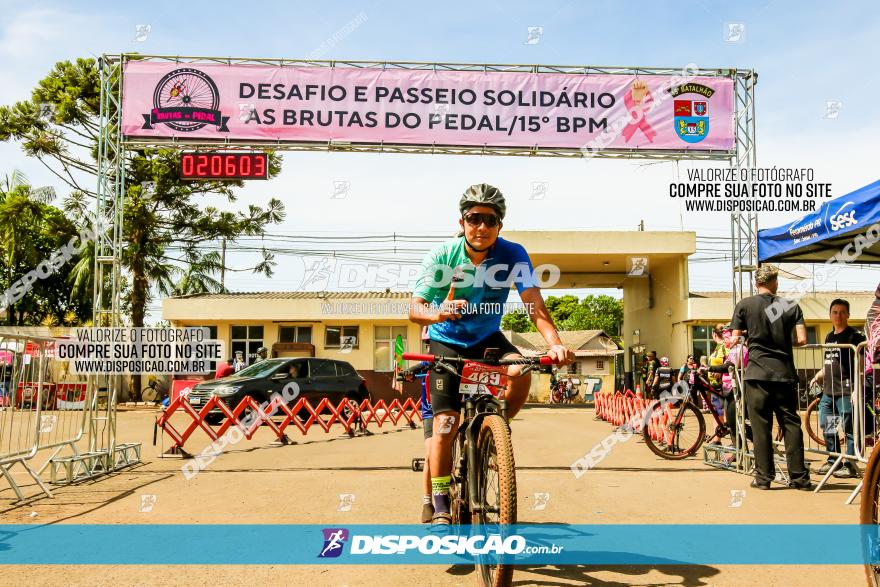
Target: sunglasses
x=476, y=219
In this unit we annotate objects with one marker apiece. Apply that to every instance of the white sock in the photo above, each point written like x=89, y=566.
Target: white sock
x=426, y=499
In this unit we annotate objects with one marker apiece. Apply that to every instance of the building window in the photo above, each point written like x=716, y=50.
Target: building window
x=212, y=334
x=701, y=341
x=334, y=335
x=383, y=352
x=295, y=334
x=247, y=339
x=811, y=335
x=600, y=364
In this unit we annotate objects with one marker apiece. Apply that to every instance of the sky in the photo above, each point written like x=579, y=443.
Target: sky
x=806, y=54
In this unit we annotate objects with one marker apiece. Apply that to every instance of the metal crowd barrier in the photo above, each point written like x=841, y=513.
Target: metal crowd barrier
x=44, y=411
x=36, y=414
x=820, y=426
x=828, y=429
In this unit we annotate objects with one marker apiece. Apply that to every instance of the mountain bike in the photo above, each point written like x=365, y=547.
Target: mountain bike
x=483, y=488
x=676, y=428
x=869, y=517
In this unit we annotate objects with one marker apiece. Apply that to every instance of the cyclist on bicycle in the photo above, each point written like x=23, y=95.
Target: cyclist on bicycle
x=465, y=321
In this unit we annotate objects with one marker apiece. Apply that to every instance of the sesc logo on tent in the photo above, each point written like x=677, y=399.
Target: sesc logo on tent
x=842, y=219
x=470, y=545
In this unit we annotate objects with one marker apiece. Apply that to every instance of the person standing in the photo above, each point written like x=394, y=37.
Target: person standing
x=262, y=353
x=717, y=357
x=770, y=376
x=224, y=369
x=664, y=378
x=651, y=374
x=836, y=378
x=238, y=363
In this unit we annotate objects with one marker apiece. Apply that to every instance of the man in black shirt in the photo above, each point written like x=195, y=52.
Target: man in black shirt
x=836, y=377
x=770, y=376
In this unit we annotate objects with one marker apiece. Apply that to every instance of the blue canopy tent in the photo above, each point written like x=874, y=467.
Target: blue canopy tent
x=818, y=236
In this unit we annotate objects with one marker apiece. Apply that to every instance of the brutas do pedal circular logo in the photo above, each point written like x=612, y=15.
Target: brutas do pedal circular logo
x=186, y=100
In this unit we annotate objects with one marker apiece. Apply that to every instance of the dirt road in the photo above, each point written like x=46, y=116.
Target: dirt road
x=258, y=482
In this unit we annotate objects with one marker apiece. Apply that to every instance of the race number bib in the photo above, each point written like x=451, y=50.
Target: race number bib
x=477, y=378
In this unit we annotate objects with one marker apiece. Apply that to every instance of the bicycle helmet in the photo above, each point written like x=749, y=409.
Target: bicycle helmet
x=483, y=194
x=664, y=361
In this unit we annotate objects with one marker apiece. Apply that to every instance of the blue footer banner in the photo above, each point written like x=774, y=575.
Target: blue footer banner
x=521, y=544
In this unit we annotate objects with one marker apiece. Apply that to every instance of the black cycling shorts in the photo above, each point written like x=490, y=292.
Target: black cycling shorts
x=444, y=385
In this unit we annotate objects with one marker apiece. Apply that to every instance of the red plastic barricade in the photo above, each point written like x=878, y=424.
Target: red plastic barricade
x=302, y=415
x=26, y=395
x=70, y=396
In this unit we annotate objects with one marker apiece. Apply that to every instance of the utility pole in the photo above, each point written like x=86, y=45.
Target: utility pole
x=223, y=268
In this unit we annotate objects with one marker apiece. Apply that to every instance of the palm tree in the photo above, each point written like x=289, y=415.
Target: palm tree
x=23, y=213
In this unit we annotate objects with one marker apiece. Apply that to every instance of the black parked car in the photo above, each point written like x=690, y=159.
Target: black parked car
x=316, y=378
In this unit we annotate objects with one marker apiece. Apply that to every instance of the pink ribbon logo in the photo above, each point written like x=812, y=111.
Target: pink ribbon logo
x=638, y=117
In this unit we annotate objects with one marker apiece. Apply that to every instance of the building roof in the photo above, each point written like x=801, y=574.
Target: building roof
x=829, y=294
x=584, y=343
x=298, y=295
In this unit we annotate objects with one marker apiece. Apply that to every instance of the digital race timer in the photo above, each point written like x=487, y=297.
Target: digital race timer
x=234, y=166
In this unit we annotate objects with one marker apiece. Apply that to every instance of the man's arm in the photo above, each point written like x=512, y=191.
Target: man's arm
x=800, y=332
x=539, y=314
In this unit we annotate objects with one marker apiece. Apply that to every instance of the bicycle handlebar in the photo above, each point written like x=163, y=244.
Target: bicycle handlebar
x=543, y=360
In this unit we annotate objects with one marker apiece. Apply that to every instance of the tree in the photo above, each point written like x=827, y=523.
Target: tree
x=568, y=313
x=561, y=308
x=166, y=220
x=518, y=322
x=595, y=313
x=31, y=231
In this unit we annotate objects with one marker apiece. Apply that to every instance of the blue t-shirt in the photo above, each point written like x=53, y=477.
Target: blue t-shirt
x=485, y=287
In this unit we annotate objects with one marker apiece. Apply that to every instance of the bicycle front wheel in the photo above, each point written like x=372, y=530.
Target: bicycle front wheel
x=497, y=492
x=674, y=432
x=868, y=517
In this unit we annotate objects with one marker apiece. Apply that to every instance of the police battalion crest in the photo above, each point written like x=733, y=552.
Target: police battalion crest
x=691, y=111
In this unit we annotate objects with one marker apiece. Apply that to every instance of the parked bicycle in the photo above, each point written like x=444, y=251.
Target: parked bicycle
x=676, y=429
x=154, y=391
x=483, y=488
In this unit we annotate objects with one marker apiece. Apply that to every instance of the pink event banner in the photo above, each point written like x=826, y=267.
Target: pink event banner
x=425, y=107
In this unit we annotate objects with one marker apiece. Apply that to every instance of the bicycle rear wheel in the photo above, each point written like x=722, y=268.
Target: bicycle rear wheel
x=677, y=433
x=868, y=516
x=497, y=493
x=811, y=423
